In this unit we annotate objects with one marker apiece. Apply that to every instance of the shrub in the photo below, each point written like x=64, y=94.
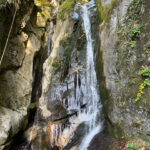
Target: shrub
x=133, y=146
x=135, y=32
x=65, y=9
x=145, y=72
x=146, y=82
x=132, y=44
x=106, y=10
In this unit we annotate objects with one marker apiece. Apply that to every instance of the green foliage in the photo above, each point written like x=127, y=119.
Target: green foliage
x=32, y=106
x=65, y=9
x=132, y=44
x=147, y=145
x=9, y=1
x=67, y=53
x=68, y=45
x=145, y=72
x=106, y=10
x=3, y=2
x=57, y=64
x=147, y=82
x=139, y=146
x=44, y=7
x=65, y=41
x=43, y=3
x=135, y=32
x=133, y=146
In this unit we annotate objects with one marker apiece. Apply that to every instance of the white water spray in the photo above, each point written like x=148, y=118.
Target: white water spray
x=94, y=107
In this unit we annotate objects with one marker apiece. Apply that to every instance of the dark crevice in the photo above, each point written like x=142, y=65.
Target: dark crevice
x=66, y=117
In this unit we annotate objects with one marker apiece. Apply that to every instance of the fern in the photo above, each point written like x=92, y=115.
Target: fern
x=145, y=72
x=146, y=82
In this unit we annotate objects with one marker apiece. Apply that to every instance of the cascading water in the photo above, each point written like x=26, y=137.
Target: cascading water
x=91, y=114
x=94, y=107
x=82, y=104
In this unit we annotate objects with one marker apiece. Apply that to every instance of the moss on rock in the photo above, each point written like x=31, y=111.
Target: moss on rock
x=105, y=10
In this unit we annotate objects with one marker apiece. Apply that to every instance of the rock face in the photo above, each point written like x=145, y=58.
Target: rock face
x=17, y=69
x=121, y=64
x=62, y=30
x=124, y=50
x=11, y=122
x=64, y=84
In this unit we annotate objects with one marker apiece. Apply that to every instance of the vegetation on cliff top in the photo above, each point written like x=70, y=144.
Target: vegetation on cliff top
x=66, y=8
x=105, y=10
x=44, y=7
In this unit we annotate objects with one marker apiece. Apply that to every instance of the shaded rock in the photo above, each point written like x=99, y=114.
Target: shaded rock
x=16, y=71
x=16, y=86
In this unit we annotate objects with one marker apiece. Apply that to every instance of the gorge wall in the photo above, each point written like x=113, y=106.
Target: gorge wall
x=25, y=50
x=122, y=49
x=124, y=38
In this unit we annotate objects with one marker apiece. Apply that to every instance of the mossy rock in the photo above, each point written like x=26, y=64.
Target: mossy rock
x=115, y=131
x=65, y=9
x=106, y=10
x=32, y=106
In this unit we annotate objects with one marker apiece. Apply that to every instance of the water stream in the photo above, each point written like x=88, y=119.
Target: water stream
x=90, y=115
x=93, y=98
x=82, y=104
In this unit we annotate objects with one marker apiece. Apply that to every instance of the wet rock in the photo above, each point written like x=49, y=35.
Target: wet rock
x=64, y=91
x=75, y=141
x=60, y=32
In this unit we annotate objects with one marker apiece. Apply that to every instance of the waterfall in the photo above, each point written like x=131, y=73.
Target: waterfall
x=93, y=98
x=82, y=104
x=90, y=115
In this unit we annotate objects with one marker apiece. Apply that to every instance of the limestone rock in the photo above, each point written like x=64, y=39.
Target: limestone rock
x=121, y=107
x=61, y=31
x=16, y=86
x=41, y=21
x=10, y=122
x=16, y=71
